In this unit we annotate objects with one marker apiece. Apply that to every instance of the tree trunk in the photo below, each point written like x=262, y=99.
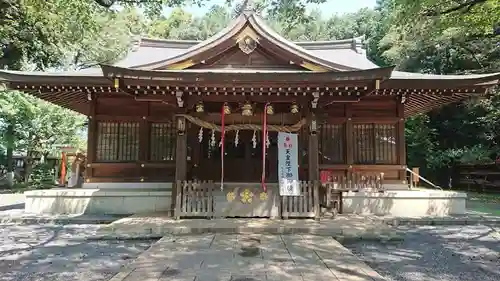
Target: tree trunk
x=10, y=155
x=28, y=168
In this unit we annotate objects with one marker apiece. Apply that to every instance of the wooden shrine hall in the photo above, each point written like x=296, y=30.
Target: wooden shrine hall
x=156, y=117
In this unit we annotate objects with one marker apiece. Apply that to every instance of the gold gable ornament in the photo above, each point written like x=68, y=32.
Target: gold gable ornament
x=247, y=45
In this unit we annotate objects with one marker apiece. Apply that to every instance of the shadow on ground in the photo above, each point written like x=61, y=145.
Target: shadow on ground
x=54, y=252
x=466, y=253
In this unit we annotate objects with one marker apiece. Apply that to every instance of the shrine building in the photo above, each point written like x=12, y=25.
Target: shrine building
x=156, y=117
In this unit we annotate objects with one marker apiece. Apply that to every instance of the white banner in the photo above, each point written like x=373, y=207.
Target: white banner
x=288, y=164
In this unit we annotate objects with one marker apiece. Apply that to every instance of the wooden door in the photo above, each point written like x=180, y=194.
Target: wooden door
x=242, y=161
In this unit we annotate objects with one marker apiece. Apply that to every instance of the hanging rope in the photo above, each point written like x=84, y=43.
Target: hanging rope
x=264, y=135
x=272, y=128
x=223, y=130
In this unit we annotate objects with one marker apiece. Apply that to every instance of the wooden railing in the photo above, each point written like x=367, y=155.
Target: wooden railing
x=194, y=199
x=357, y=181
x=331, y=191
x=480, y=177
x=304, y=206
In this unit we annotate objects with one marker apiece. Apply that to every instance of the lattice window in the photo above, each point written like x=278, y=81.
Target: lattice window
x=162, y=141
x=375, y=144
x=385, y=144
x=117, y=142
x=331, y=144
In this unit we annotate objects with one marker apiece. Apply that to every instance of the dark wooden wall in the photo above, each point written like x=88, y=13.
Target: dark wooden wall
x=365, y=137
x=133, y=141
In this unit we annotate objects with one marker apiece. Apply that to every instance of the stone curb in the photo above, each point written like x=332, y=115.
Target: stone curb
x=370, y=234
x=61, y=221
x=441, y=221
x=282, y=230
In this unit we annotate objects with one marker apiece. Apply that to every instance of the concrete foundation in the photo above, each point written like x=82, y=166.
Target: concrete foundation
x=137, y=198
x=405, y=203
x=98, y=201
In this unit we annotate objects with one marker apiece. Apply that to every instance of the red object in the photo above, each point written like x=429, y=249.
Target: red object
x=222, y=147
x=264, y=140
x=62, y=179
x=325, y=176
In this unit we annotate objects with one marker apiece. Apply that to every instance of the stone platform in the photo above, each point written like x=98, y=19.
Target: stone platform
x=405, y=203
x=112, y=200
x=247, y=257
x=128, y=199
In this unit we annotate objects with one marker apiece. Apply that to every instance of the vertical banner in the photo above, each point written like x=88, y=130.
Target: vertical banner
x=288, y=164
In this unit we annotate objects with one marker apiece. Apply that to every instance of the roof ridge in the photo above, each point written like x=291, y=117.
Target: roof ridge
x=355, y=43
x=167, y=43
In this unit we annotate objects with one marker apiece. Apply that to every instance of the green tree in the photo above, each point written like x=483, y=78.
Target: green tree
x=37, y=126
x=54, y=34
x=444, y=37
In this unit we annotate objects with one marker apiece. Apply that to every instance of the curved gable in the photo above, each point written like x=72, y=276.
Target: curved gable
x=248, y=33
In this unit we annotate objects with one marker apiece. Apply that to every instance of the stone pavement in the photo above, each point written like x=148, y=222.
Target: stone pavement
x=18, y=216
x=247, y=257
x=159, y=225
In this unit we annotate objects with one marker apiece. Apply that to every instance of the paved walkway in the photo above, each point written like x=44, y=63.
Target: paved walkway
x=158, y=225
x=247, y=257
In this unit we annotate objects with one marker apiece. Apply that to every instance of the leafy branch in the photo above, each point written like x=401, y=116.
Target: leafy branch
x=465, y=7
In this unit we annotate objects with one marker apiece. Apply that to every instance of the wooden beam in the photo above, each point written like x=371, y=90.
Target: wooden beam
x=374, y=167
x=127, y=118
x=237, y=118
x=129, y=165
x=360, y=120
x=193, y=99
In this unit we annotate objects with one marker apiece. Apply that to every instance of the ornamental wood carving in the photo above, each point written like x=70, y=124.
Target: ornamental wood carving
x=247, y=45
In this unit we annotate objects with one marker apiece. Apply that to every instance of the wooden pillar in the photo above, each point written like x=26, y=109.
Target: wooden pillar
x=144, y=135
x=180, y=161
x=91, y=139
x=181, y=150
x=401, y=142
x=313, y=149
x=349, y=141
x=143, y=139
x=349, y=135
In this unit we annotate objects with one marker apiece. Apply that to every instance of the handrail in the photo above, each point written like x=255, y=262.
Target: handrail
x=412, y=174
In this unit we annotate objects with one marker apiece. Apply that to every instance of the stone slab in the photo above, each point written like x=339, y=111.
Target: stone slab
x=158, y=225
x=249, y=257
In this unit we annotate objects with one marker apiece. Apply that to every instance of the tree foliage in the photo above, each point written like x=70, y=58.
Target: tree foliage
x=53, y=34
x=445, y=37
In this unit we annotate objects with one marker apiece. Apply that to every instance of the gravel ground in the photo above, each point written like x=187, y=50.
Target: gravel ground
x=458, y=253
x=57, y=253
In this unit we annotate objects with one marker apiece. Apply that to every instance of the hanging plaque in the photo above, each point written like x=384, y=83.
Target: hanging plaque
x=288, y=164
